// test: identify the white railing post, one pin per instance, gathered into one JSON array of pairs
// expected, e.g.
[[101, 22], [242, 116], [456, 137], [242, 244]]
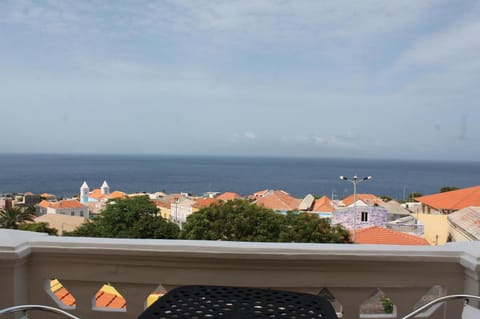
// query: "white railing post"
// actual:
[[14, 252]]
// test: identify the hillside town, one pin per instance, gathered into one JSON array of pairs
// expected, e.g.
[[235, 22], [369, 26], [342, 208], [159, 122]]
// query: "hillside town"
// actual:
[[428, 220]]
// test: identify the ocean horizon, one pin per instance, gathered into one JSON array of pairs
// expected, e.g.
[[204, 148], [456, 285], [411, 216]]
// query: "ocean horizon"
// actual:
[[62, 174]]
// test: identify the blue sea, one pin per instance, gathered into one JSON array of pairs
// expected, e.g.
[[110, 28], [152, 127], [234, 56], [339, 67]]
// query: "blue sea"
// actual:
[[63, 174]]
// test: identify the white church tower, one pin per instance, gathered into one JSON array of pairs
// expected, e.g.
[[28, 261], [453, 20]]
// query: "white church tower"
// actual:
[[105, 189], [84, 190]]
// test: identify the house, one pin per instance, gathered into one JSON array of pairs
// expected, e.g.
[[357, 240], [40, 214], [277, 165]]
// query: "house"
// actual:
[[366, 216], [97, 198], [449, 202], [307, 203], [258, 194], [30, 199], [324, 207], [383, 236], [49, 197], [180, 209], [61, 222], [407, 224], [204, 202], [278, 200], [395, 210], [6, 203], [164, 208], [464, 224], [70, 207], [101, 194], [229, 196], [362, 200]]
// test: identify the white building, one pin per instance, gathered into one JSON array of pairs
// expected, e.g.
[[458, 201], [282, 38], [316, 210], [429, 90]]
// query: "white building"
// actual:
[[68, 207], [180, 210]]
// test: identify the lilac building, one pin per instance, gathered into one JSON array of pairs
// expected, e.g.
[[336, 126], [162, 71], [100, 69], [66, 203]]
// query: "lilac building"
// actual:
[[367, 216]]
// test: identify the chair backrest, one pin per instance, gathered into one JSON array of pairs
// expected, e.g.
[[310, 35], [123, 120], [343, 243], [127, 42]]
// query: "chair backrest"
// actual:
[[197, 302]]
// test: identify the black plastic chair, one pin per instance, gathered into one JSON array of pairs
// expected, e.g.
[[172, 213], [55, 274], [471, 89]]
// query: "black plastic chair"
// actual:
[[198, 302]]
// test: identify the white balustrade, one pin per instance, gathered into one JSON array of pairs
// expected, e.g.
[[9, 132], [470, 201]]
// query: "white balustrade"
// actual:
[[136, 266]]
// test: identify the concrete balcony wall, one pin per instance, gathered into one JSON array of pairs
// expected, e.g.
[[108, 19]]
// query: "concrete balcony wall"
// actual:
[[136, 267]]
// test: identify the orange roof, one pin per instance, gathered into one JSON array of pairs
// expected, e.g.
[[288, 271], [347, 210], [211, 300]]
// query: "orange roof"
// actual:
[[278, 200], [47, 195], [260, 193], [44, 204], [385, 236], [368, 199], [117, 194], [64, 204], [69, 203], [97, 194], [205, 202], [453, 200], [323, 204], [173, 198], [228, 196], [160, 203]]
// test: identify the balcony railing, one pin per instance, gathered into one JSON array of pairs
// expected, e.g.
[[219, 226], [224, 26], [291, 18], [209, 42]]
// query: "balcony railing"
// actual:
[[351, 273]]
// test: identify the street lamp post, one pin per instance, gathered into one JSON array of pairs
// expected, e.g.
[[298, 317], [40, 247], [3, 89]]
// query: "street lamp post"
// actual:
[[355, 180]]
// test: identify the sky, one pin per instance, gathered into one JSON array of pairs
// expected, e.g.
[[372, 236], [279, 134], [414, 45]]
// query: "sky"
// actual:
[[359, 79]]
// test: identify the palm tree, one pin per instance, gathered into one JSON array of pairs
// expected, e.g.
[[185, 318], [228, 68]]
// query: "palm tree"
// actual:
[[11, 217]]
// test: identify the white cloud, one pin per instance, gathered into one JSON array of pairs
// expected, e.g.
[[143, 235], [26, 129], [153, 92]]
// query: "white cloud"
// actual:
[[444, 62], [250, 135], [451, 48], [263, 20]]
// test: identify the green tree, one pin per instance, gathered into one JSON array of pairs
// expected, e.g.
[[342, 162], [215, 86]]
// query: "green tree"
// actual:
[[13, 217], [448, 189], [240, 220], [386, 198], [41, 227], [236, 220], [128, 218], [309, 228]]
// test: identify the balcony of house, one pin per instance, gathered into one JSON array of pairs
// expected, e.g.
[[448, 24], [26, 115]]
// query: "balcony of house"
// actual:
[[348, 274]]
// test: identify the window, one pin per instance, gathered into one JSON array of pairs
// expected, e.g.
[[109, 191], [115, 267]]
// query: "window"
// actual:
[[72, 213], [81, 213], [364, 217]]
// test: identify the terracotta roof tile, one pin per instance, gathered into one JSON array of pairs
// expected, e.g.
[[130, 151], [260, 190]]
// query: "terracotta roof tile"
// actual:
[[278, 200], [205, 202], [97, 194], [260, 193], [160, 203], [229, 196], [384, 236], [69, 203], [453, 200], [368, 199], [323, 204], [117, 194], [44, 204]]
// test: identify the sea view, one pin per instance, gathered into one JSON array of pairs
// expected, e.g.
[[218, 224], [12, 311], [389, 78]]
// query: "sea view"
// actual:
[[62, 175]]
